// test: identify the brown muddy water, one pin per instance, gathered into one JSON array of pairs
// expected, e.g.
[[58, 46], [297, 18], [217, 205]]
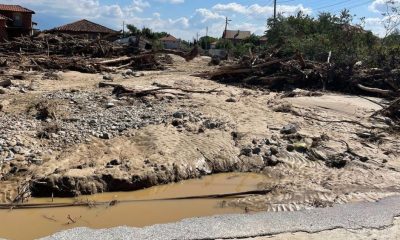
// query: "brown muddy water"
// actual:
[[35, 223]]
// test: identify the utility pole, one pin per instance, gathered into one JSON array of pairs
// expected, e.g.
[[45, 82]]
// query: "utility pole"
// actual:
[[274, 10], [226, 24], [207, 38], [123, 29]]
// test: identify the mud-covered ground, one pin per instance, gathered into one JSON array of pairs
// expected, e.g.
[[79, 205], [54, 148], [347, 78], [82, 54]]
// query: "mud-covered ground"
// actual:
[[65, 136]]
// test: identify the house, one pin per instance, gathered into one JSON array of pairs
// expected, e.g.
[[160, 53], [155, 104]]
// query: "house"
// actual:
[[86, 29], [236, 36], [170, 42], [135, 41], [213, 45], [15, 21], [263, 40]]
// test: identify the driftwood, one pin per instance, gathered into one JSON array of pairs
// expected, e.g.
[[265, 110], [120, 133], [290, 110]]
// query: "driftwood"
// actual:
[[112, 203], [121, 91], [375, 90]]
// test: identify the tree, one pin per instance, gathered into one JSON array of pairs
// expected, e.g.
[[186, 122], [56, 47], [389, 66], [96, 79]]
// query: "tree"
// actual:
[[133, 30], [391, 17], [205, 42]]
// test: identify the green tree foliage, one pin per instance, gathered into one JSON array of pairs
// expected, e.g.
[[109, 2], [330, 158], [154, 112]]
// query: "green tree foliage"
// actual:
[[316, 37], [145, 32], [205, 42]]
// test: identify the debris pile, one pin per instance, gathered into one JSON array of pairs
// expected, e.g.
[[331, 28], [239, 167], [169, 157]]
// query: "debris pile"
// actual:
[[279, 74], [65, 52], [59, 44]]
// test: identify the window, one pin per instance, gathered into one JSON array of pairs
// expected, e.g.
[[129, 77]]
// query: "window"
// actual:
[[17, 20]]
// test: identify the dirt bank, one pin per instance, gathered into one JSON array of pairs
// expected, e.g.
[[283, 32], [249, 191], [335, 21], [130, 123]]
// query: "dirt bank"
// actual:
[[316, 150]]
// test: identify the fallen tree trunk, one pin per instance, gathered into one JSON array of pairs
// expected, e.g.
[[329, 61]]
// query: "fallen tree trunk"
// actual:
[[375, 90]]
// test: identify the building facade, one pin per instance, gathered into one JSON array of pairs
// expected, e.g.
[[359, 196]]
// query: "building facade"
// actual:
[[170, 42], [15, 21]]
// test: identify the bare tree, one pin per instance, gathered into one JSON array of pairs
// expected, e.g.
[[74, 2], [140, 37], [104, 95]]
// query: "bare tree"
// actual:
[[391, 17]]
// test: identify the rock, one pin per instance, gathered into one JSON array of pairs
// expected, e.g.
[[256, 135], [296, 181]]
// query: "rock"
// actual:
[[290, 148], [114, 162], [37, 161], [108, 77], [3, 90], [256, 151], [231, 100], [300, 146], [246, 152], [289, 129], [110, 105], [179, 114], [177, 122], [274, 150], [105, 135], [271, 161], [54, 135], [129, 72], [17, 149]]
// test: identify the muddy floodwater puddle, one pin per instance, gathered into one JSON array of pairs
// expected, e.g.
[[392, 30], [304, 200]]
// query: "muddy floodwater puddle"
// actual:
[[36, 223]]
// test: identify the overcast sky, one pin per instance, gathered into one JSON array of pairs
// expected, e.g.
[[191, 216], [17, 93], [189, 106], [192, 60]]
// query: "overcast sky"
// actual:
[[185, 18]]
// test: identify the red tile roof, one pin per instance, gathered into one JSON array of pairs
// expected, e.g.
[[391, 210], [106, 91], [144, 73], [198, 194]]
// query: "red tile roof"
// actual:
[[84, 26], [169, 38], [14, 8]]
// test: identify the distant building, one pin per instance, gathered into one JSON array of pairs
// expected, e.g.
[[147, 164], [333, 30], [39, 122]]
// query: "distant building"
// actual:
[[213, 45], [15, 21], [236, 36], [170, 42], [263, 40], [86, 29]]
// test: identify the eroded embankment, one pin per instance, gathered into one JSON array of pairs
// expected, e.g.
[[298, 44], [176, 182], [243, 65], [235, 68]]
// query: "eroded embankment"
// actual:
[[136, 209]]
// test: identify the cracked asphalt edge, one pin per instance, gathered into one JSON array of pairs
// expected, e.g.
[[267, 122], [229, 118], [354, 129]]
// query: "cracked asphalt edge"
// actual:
[[367, 215]]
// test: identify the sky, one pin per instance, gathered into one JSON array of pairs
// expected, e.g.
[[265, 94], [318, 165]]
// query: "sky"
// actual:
[[187, 18]]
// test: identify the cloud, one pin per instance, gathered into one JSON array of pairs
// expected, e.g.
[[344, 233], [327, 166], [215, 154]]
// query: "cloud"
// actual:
[[172, 1], [380, 6], [259, 11]]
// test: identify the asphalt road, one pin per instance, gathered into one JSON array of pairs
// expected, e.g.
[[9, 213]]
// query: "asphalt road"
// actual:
[[349, 216]]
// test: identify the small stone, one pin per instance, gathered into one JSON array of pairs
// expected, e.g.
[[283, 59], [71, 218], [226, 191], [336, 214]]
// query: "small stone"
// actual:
[[289, 129], [114, 162], [179, 114], [246, 152], [274, 150], [256, 151], [129, 72], [290, 148], [108, 77], [53, 135], [300, 147], [110, 105], [231, 100], [37, 161], [177, 123], [105, 135]]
